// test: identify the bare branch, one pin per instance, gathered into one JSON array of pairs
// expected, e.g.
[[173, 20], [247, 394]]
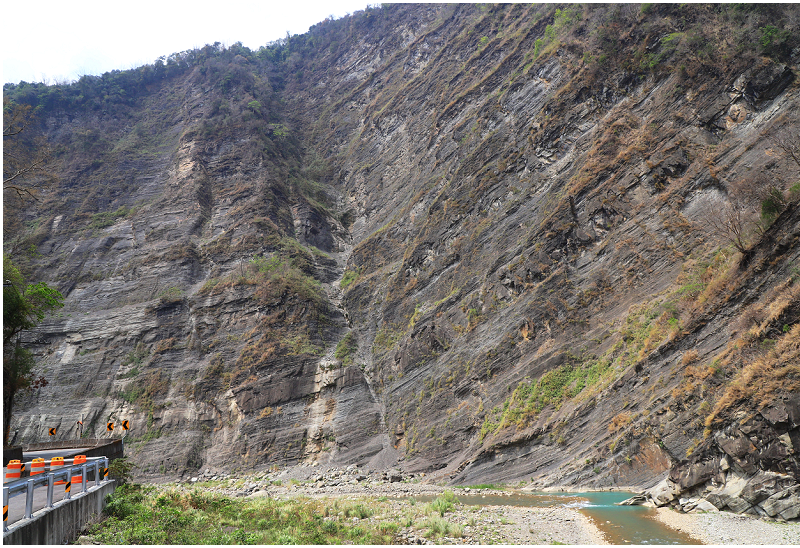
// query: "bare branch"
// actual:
[[733, 220], [789, 143], [14, 117], [25, 157]]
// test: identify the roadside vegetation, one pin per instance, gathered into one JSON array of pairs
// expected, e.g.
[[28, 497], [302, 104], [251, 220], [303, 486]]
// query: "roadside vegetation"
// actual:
[[150, 515], [145, 515]]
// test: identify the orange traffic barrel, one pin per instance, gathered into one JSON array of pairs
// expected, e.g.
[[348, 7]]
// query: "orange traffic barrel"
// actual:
[[13, 470], [79, 459], [56, 462], [37, 466]]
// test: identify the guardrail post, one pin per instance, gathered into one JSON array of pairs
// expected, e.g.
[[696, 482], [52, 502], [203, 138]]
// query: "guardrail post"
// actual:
[[29, 500], [68, 485], [5, 509], [98, 466], [50, 483]]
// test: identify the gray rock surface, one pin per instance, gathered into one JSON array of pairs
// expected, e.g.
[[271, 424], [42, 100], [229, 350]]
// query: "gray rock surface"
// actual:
[[428, 254]]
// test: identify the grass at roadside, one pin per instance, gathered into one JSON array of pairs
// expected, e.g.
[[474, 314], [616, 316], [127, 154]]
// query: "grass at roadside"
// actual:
[[145, 515], [169, 515]]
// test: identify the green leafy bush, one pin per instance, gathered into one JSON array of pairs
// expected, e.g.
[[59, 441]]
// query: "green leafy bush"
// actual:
[[348, 277], [346, 348], [443, 503], [771, 206], [552, 388], [120, 469], [773, 41]]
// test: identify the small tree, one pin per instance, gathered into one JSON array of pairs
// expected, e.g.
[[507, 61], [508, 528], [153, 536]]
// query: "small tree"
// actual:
[[22, 310], [789, 143], [121, 469], [731, 220]]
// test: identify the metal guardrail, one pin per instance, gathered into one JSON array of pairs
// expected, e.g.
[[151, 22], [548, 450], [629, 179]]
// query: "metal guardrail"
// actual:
[[65, 473]]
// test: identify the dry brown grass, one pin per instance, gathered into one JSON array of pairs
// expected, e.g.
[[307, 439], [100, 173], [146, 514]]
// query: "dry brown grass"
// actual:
[[619, 421], [614, 134], [704, 284], [164, 345], [784, 296], [689, 357], [694, 377], [759, 381]]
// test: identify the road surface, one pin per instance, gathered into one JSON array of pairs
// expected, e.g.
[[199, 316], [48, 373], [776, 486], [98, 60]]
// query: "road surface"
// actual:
[[16, 503]]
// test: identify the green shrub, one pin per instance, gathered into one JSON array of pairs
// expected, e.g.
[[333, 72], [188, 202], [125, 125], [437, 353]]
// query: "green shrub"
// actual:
[[346, 348], [136, 356], [171, 295], [773, 41], [552, 388], [108, 218], [348, 277], [440, 527], [443, 503], [279, 275]]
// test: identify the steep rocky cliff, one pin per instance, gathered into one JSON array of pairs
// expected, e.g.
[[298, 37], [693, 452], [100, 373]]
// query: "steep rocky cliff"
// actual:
[[476, 241]]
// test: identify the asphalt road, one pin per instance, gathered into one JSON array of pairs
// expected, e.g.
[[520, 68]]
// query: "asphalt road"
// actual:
[[50, 453], [16, 503]]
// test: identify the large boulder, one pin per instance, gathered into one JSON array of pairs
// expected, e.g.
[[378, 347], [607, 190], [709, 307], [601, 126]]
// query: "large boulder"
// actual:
[[704, 506], [635, 500], [764, 485], [764, 493], [764, 83], [664, 492], [730, 493], [785, 505], [687, 475]]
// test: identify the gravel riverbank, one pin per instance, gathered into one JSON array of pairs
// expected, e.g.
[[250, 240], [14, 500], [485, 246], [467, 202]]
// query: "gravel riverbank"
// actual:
[[394, 499], [729, 528], [394, 496]]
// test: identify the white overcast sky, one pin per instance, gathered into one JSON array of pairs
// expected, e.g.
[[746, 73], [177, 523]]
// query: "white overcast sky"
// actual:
[[47, 40]]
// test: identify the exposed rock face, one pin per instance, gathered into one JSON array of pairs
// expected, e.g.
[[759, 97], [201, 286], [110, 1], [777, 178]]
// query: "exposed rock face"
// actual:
[[750, 468], [400, 245]]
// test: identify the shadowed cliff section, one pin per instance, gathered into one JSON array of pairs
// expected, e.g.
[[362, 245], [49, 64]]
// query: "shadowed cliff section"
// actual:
[[475, 241]]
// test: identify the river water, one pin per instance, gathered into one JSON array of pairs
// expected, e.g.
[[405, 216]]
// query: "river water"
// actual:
[[621, 524]]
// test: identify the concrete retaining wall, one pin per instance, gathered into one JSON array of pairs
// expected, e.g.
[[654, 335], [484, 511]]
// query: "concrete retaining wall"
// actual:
[[62, 524], [91, 447]]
